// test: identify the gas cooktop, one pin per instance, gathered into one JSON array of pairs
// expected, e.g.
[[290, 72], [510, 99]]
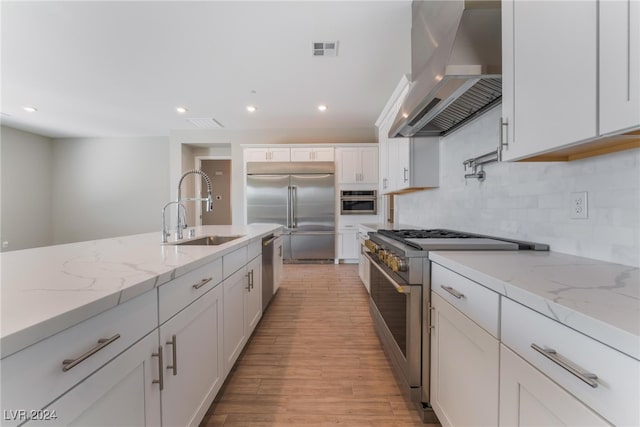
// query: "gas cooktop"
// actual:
[[437, 239]]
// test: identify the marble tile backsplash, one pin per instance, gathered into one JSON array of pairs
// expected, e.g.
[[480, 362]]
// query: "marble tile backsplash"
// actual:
[[531, 201]]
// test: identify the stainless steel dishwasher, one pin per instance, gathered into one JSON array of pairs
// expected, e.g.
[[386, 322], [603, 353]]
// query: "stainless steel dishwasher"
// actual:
[[268, 261]]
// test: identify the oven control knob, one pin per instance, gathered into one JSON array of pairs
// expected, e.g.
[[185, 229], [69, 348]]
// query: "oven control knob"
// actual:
[[382, 255], [400, 265], [392, 261], [371, 246]]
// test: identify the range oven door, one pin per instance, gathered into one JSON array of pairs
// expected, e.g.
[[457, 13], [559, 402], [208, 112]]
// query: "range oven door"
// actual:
[[396, 311]]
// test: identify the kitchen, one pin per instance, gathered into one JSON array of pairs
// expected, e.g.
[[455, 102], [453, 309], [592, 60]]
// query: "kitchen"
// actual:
[[516, 200]]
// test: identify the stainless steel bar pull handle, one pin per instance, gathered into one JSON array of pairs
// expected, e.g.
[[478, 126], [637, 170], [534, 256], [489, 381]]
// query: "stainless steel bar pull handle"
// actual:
[[202, 283], [251, 278], [406, 178], [248, 276], [294, 201], [551, 354], [452, 291], [68, 364], [174, 353], [160, 379]]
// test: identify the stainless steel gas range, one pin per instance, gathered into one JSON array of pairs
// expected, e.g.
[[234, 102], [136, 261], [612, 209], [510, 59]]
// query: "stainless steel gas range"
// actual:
[[401, 297]]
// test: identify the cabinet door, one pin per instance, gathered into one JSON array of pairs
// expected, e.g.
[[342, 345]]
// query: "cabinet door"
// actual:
[[349, 165], [464, 369], [348, 244], [369, 162], [234, 317], [279, 154], [549, 74], [619, 39], [529, 398], [253, 295], [256, 155], [119, 394], [193, 368], [364, 271], [323, 154], [299, 154]]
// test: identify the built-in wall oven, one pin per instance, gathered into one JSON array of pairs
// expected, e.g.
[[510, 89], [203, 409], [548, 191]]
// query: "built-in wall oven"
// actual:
[[400, 298], [358, 202]]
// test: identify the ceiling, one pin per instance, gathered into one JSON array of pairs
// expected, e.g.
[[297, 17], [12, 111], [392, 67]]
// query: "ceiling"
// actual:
[[120, 68]]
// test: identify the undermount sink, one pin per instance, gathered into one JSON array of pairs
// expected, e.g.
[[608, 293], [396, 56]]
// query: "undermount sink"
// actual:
[[209, 240]]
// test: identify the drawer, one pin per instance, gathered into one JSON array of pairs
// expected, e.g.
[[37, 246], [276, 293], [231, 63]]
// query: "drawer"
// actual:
[[234, 261], [182, 291], [616, 394], [480, 304], [33, 377], [254, 249]]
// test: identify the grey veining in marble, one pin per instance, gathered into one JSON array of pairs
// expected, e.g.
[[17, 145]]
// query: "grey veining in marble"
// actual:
[[597, 298], [48, 289]]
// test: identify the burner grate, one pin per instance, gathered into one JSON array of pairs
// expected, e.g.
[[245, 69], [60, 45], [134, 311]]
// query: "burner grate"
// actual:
[[402, 235]]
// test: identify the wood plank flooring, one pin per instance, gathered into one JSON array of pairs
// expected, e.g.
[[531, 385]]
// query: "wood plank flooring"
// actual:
[[314, 360]]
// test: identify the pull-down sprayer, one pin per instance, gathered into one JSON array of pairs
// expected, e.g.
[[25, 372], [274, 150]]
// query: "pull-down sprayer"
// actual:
[[208, 199], [181, 225]]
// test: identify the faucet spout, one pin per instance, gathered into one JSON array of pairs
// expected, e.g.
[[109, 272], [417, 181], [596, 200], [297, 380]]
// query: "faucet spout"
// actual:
[[208, 199]]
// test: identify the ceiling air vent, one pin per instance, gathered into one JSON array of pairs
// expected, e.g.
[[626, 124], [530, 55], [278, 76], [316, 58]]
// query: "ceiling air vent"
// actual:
[[325, 48], [206, 123]]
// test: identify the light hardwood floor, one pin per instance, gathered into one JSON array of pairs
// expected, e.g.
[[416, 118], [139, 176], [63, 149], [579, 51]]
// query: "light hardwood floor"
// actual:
[[314, 360]]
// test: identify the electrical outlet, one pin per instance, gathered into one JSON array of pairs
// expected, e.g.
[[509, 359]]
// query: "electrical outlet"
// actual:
[[579, 205]]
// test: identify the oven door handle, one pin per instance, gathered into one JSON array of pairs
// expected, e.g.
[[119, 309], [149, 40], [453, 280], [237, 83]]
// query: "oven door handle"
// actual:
[[399, 288]]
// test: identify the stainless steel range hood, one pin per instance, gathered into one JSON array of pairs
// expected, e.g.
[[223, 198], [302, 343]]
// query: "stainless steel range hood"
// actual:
[[456, 64]]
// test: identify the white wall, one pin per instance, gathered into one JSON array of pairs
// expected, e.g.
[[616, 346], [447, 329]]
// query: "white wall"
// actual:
[[26, 201], [530, 201], [106, 187]]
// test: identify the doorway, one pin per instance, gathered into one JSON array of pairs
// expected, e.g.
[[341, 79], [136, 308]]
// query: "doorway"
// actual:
[[219, 171]]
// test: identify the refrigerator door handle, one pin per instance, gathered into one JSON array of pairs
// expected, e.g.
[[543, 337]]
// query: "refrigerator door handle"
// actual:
[[288, 206], [294, 219]]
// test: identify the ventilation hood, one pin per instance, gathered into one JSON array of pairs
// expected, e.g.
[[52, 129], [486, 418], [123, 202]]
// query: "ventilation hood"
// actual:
[[456, 64]]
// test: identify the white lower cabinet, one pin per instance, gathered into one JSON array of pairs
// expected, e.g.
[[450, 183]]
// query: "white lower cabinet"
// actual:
[[121, 393], [242, 309], [235, 337], [192, 361], [348, 243], [253, 295], [529, 398], [464, 368]]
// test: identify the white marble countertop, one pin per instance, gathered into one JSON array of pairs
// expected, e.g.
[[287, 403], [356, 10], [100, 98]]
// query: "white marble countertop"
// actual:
[[48, 289], [599, 299]]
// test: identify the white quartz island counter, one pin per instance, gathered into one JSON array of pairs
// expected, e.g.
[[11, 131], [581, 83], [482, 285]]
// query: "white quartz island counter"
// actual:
[[599, 299], [46, 290]]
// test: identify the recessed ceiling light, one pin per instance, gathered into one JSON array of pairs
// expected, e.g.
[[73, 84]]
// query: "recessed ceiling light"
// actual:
[[181, 110], [322, 107], [30, 109], [252, 108]]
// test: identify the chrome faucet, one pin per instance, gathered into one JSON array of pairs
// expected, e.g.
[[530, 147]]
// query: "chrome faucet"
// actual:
[[208, 199], [165, 229]]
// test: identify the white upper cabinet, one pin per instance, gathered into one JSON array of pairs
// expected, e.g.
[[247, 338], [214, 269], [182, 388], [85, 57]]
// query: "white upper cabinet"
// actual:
[[405, 163], [267, 154], [549, 75], [358, 165], [312, 154], [570, 76], [619, 65]]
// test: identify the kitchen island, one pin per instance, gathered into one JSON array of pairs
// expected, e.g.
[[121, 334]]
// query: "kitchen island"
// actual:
[[108, 329]]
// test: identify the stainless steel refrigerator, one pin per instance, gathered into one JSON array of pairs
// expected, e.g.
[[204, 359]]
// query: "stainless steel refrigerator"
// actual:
[[301, 197]]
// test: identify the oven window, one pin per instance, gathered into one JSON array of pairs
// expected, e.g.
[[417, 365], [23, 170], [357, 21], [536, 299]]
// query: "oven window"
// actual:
[[358, 205], [392, 305]]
